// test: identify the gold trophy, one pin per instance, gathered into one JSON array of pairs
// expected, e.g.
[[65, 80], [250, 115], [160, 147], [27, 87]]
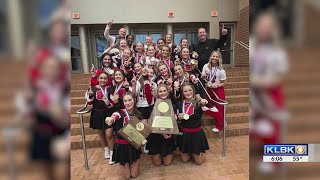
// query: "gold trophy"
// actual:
[[162, 119], [135, 132]]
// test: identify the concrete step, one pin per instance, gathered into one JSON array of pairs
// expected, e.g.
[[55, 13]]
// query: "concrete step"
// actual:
[[231, 99], [234, 85], [86, 80], [228, 92], [92, 140]]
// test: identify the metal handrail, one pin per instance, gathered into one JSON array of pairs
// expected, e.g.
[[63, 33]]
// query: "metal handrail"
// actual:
[[244, 45], [81, 112], [224, 103]]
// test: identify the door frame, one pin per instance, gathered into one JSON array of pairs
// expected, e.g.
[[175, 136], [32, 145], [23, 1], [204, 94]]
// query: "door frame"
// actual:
[[232, 36]]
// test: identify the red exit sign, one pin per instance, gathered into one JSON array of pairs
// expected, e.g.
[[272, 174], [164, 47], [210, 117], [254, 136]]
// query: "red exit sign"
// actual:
[[76, 15], [214, 13], [171, 14]]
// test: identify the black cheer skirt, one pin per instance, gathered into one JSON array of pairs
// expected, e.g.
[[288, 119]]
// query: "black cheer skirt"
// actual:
[[97, 119], [157, 144], [145, 111], [125, 153], [193, 143]]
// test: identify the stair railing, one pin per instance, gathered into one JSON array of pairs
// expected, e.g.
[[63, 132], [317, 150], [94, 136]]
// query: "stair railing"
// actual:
[[242, 44], [81, 112], [220, 102]]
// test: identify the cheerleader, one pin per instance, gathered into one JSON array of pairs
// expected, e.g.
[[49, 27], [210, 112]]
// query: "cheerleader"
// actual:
[[166, 58], [193, 141], [139, 56], [98, 97], [49, 108], [107, 66], [150, 60], [180, 77], [116, 92], [216, 79], [145, 91], [152, 76], [126, 56], [161, 42], [177, 50], [161, 146], [127, 70], [123, 46], [124, 153], [138, 70], [165, 76], [190, 65]]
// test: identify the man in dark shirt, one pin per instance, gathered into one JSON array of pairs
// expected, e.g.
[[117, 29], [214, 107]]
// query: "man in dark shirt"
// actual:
[[206, 46]]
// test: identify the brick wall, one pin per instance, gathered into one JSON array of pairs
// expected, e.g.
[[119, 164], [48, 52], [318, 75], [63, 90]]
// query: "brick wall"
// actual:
[[311, 32], [242, 34]]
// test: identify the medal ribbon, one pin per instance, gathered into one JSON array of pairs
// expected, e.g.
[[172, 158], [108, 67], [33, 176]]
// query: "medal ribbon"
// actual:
[[127, 114], [104, 92], [118, 88], [185, 112], [212, 74], [107, 70]]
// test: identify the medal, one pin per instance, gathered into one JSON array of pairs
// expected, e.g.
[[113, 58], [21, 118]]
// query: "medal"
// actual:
[[212, 74], [185, 113], [116, 94], [111, 72], [209, 84], [193, 61], [186, 116], [116, 97], [104, 93]]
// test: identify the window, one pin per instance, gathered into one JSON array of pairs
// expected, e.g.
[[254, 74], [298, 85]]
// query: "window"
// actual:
[[155, 36], [101, 44], [192, 37], [75, 53], [140, 37], [178, 36]]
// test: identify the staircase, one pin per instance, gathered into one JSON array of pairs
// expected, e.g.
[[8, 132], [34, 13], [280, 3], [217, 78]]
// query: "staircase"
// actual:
[[237, 94], [12, 78]]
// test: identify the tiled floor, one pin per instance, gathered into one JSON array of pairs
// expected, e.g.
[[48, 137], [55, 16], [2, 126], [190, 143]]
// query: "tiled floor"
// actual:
[[234, 166]]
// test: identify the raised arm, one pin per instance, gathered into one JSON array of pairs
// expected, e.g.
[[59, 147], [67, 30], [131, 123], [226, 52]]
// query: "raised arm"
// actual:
[[110, 39]]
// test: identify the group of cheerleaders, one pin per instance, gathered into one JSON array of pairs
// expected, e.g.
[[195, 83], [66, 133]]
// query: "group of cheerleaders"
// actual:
[[129, 82]]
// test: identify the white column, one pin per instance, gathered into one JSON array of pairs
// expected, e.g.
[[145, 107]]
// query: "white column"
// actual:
[[126, 26], [169, 29], [84, 49], [15, 28]]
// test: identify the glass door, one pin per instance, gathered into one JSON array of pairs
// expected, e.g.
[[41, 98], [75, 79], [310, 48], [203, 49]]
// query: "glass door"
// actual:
[[76, 65], [100, 45], [226, 50], [140, 36]]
